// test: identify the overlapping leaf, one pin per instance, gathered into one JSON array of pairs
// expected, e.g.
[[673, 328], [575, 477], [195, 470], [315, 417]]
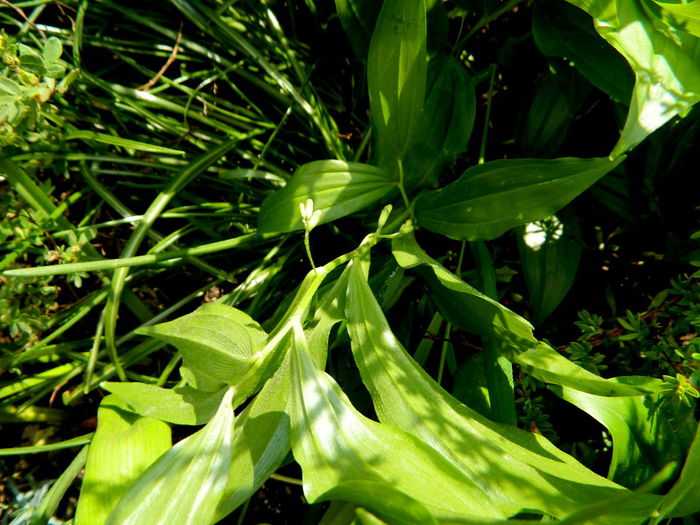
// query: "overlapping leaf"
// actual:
[[489, 199], [336, 445], [262, 438], [646, 433], [664, 58], [123, 447], [550, 252], [562, 30], [515, 470], [337, 188], [186, 484], [450, 108], [219, 344], [470, 310], [182, 405]]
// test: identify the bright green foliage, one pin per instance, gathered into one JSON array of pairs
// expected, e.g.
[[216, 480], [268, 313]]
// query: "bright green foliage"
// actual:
[[264, 369], [182, 405], [396, 78], [191, 475], [492, 198], [124, 446], [339, 188], [664, 57], [30, 84], [219, 345], [647, 431]]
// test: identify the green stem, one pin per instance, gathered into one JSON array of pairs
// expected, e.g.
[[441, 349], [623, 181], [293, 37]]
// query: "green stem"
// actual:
[[138, 260]]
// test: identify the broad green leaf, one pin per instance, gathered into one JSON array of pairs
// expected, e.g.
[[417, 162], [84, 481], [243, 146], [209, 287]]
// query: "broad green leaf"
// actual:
[[335, 444], [337, 188], [489, 199], [124, 446], [684, 497], [52, 50], [182, 405], [646, 433], [217, 342], [262, 439], [391, 504], [513, 469], [564, 31], [396, 78], [467, 308], [665, 60], [450, 108], [545, 118], [358, 18], [185, 485], [550, 251], [683, 14]]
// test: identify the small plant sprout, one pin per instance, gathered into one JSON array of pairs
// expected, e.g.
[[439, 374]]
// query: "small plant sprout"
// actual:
[[310, 218]]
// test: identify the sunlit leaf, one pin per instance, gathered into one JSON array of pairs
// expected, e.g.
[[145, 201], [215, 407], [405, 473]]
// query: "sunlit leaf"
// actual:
[[262, 438], [469, 309], [562, 30], [124, 446], [646, 433], [186, 484], [182, 405], [665, 60], [337, 188], [683, 14], [396, 77], [217, 342], [335, 444], [492, 198], [514, 469]]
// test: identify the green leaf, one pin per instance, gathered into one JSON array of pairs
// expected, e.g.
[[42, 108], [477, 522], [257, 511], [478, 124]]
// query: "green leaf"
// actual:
[[646, 433], [550, 251], [337, 188], [53, 497], [182, 405], [218, 343], [358, 18], [52, 50], [391, 504], [683, 14], [396, 78], [124, 446], [185, 485], [513, 469], [562, 30], [684, 497], [665, 60], [262, 440], [121, 142], [492, 198], [31, 61], [545, 119], [450, 108], [467, 308], [335, 444]]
